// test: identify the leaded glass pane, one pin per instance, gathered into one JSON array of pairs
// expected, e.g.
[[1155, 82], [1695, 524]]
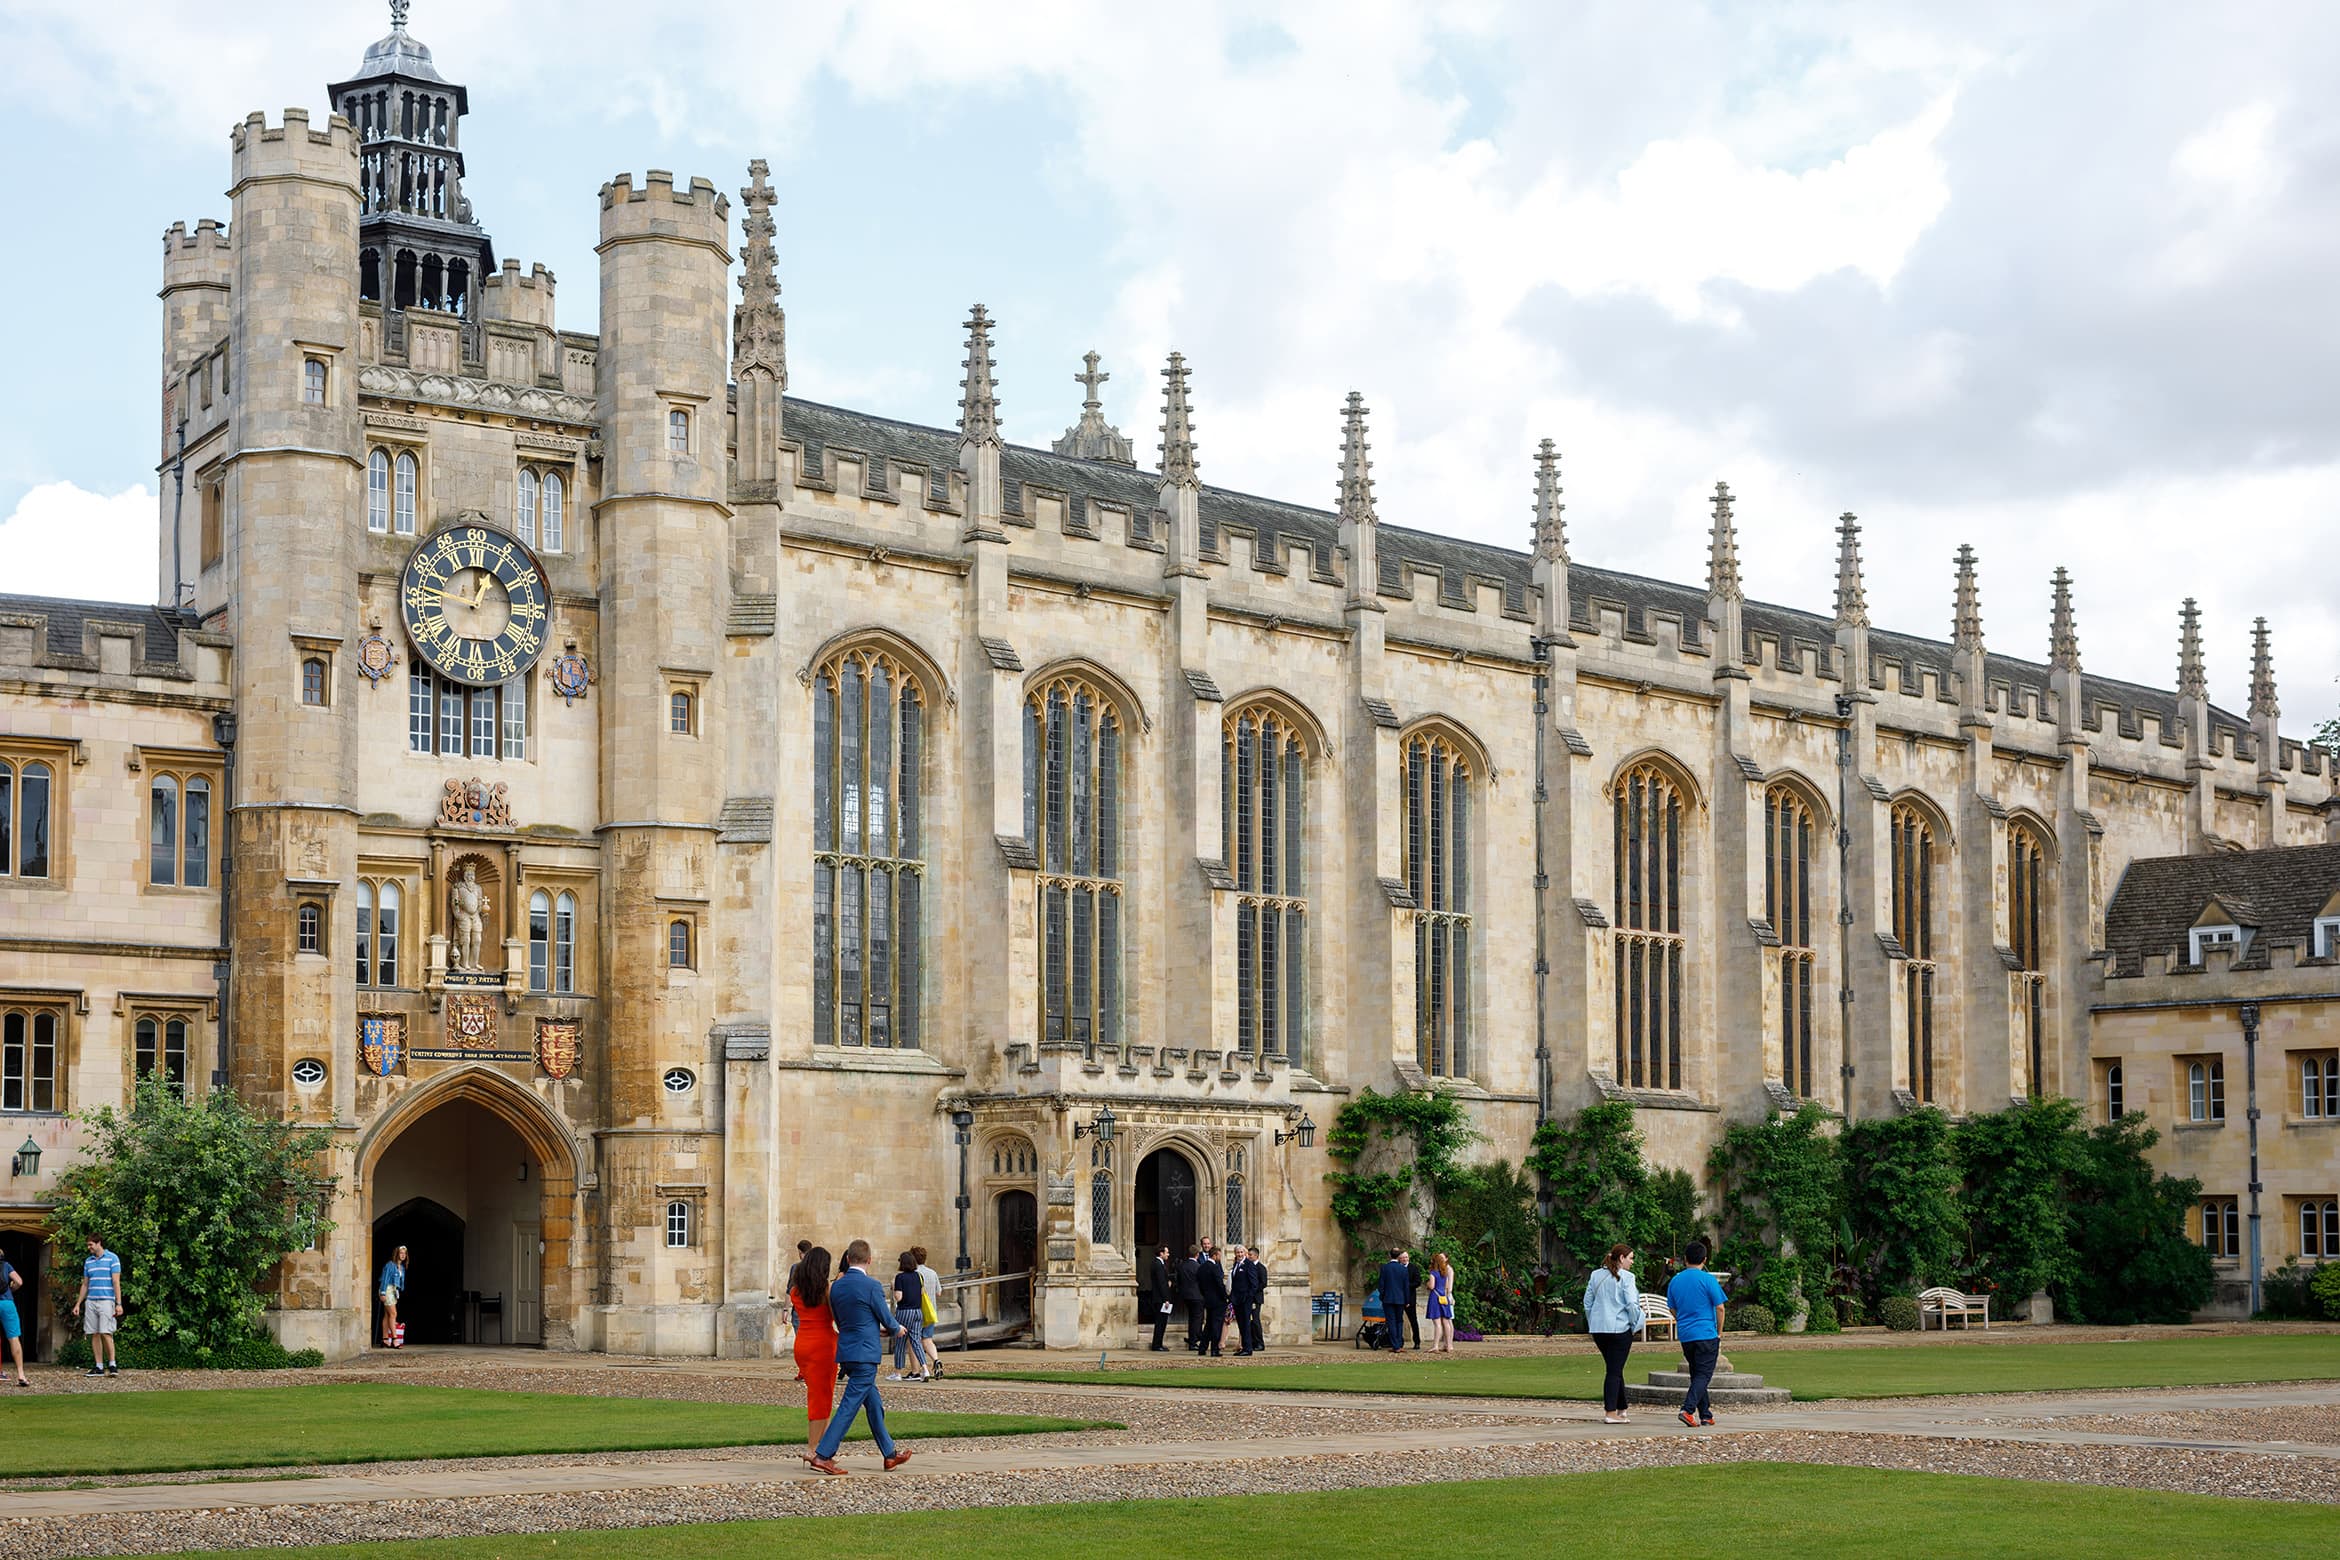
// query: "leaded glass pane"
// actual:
[[365, 933], [824, 953], [906, 787], [878, 825], [162, 846], [881, 956], [851, 730], [1083, 955], [539, 940], [565, 944], [195, 856], [386, 936], [908, 990], [851, 936]]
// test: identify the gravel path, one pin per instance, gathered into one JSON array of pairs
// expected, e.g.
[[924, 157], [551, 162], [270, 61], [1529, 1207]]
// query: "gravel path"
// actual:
[[2227, 1473], [2313, 1424]]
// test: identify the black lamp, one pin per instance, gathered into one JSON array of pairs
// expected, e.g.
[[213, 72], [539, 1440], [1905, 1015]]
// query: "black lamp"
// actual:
[[1304, 1134], [1101, 1129], [27, 1160]]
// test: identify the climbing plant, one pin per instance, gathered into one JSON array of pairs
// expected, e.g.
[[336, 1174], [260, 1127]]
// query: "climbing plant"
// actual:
[[1603, 1191], [2016, 1165], [1392, 1151], [1903, 1227], [1778, 1190]]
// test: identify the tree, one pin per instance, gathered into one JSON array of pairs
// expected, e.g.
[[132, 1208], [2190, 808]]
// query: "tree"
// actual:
[[200, 1199], [2135, 1262], [1901, 1202], [2017, 1166], [1779, 1185]]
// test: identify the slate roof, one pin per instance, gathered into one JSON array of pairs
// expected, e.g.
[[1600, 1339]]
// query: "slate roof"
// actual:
[[67, 619], [2278, 893], [1314, 535]]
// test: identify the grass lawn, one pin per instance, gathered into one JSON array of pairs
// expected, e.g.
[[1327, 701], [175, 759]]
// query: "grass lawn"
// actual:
[[1913, 1370], [345, 1422], [1747, 1512]]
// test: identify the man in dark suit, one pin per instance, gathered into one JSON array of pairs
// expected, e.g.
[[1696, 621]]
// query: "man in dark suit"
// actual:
[[1394, 1286], [1190, 1296], [1248, 1289], [1413, 1294], [1211, 1280], [1154, 1298], [864, 1315]]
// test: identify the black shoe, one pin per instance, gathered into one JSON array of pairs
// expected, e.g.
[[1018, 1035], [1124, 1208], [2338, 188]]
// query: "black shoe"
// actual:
[[1214, 1354], [1158, 1349], [95, 1370], [113, 1370]]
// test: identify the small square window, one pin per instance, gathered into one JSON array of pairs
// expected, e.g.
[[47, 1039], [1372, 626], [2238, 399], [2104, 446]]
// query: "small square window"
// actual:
[[315, 684], [681, 712], [313, 381], [312, 928], [678, 945], [678, 431]]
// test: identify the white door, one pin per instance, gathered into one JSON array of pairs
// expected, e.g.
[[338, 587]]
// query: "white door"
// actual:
[[527, 1283]]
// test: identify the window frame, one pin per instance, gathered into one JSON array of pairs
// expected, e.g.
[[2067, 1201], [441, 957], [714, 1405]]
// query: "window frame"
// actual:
[[1439, 782], [871, 839], [1914, 861], [2317, 1078], [1651, 857], [1791, 825], [378, 491], [18, 765], [682, 710], [682, 936], [316, 685], [379, 925], [405, 492], [2031, 938], [21, 1082], [1267, 768], [679, 430], [1076, 818], [2316, 1225], [190, 863], [145, 1056], [316, 381], [2202, 1081], [2219, 1227], [682, 1224], [309, 928]]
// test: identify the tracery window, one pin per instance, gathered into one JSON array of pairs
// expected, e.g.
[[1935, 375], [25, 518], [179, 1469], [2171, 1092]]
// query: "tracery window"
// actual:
[[869, 849], [178, 831], [30, 1040], [2027, 926], [1913, 928], [1787, 900], [1647, 825], [1263, 786], [25, 816], [1438, 877], [1072, 816]]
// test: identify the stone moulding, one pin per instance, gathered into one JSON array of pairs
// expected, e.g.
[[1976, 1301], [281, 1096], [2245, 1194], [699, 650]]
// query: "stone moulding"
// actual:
[[404, 384]]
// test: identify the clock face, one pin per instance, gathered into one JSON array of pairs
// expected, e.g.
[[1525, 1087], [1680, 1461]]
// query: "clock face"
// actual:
[[475, 604]]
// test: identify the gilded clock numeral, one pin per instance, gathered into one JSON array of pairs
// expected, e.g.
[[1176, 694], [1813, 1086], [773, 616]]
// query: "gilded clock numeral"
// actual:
[[527, 611], [506, 662], [527, 581], [524, 641]]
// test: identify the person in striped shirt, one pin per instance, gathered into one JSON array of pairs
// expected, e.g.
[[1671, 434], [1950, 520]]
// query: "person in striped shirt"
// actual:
[[100, 1303]]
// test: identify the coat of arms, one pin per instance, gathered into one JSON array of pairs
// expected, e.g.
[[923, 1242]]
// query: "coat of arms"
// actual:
[[471, 1021], [376, 656], [382, 1042], [570, 674], [475, 804], [556, 1046]]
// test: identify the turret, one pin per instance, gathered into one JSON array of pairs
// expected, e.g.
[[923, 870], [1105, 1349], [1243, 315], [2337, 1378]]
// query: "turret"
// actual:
[[198, 279]]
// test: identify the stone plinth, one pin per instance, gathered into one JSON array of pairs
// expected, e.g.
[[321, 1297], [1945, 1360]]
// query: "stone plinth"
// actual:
[[1727, 1388]]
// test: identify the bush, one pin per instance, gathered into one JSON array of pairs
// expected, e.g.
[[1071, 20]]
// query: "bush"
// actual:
[[1822, 1316], [1751, 1316], [1902, 1213], [201, 1199], [1603, 1192], [2135, 1262], [2017, 1164], [1486, 1225], [1849, 1312], [258, 1352], [2324, 1291], [1779, 1184], [2283, 1294], [1899, 1313]]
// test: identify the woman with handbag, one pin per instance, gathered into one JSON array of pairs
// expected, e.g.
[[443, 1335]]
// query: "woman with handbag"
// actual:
[[1612, 1314], [929, 1301]]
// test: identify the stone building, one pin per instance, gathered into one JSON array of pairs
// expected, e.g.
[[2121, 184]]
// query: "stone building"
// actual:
[[658, 818]]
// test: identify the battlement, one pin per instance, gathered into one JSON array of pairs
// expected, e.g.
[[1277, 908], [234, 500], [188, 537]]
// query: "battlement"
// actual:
[[293, 150], [203, 258], [522, 300], [210, 235], [697, 212]]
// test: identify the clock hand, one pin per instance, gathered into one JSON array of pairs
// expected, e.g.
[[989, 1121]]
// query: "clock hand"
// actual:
[[485, 580]]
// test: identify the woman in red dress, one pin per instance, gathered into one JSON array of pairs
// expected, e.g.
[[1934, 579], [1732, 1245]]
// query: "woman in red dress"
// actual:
[[816, 1342]]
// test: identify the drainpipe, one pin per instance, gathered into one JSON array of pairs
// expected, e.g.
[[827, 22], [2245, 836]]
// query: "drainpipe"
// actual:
[[223, 732], [178, 510], [1844, 912], [1543, 653], [2250, 1027]]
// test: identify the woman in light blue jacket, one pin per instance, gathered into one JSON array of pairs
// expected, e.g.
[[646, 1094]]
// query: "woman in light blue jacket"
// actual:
[[1612, 1314]]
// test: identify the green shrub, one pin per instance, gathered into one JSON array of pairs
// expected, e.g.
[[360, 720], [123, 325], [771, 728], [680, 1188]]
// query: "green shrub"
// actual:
[[2135, 1262], [257, 1352], [1899, 1313], [2324, 1290], [1903, 1222], [1751, 1316], [1486, 1225], [2283, 1294], [1779, 1184], [1849, 1312], [1604, 1192], [2017, 1166], [1822, 1316]]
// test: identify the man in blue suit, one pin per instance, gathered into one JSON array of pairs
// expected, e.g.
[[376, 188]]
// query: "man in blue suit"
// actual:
[[864, 1317], [1396, 1288]]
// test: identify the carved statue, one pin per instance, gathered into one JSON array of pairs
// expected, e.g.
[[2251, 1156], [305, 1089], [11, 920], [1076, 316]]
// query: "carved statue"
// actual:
[[468, 903]]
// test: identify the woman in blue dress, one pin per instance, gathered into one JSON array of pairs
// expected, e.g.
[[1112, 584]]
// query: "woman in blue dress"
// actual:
[[392, 1289], [1438, 1310]]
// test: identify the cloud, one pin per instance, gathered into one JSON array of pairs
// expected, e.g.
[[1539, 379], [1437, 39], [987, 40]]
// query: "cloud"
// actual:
[[63, 540]]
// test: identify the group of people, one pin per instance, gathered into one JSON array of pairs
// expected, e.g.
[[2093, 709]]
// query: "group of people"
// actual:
[[1613, 1314], [1400, 1285], [1216, 1295], [842, 1327]]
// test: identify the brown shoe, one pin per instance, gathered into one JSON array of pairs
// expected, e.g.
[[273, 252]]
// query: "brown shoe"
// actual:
[[823, 1465], [898, 1459]]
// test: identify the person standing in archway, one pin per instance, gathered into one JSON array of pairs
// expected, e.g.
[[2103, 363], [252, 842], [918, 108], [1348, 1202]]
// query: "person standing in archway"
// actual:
[[10, 1325], [392, 1289]]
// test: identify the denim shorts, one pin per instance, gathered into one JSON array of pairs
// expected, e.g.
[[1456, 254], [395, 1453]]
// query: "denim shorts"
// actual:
[[925, 1328], [10, 1325]]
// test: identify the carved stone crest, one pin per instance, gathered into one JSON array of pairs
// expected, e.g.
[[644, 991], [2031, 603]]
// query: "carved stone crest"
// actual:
[[377, 657], [556, 1046], [382, 1043], [570, 674], [474, 804], [471, 1021]]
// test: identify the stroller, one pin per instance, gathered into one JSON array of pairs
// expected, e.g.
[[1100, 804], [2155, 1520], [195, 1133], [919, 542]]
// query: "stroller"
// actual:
[[1373, 1331]]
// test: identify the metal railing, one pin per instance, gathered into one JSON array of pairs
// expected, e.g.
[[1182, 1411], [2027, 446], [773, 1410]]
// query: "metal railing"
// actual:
[[969, 1286]]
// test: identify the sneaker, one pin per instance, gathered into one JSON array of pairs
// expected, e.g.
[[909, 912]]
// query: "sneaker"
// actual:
[[1688, 1418], [1706, 1420], [936, 1373], [95, 1370], [893, 1375], [113, 1370]]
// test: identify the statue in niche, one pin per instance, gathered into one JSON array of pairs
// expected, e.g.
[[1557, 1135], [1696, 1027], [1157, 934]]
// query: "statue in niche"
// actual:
[[467, 902]]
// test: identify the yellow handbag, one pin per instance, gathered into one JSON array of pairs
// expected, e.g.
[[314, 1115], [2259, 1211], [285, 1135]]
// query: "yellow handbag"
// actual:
[[926, 1308]]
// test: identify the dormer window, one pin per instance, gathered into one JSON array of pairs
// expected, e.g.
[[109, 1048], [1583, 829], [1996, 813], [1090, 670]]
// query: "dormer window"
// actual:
[[2327, 938], [2205, 937]]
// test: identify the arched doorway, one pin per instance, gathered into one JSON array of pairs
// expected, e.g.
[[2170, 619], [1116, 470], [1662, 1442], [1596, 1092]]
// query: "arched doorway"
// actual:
[[23, 1250], [479, 1181], [1165, 1202], [1017, 1247]]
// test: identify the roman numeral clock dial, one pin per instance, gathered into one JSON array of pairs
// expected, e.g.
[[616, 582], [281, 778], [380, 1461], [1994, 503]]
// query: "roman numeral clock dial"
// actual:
[[475, 605]]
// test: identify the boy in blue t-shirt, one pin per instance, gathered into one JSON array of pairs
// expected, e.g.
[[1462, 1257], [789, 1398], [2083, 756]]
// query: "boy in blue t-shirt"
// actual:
[[1697, 1303]]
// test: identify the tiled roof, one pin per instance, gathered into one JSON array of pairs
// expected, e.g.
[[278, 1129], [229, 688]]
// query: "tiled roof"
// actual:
[[1296, 536], [2278, 893], [67, 619]]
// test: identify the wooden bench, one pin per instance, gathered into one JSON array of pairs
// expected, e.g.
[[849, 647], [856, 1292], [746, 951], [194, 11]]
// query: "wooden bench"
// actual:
[[1942, 1304], [1656, 1313]]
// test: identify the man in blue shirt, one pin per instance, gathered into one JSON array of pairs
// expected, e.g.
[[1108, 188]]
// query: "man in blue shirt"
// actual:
[[1395, 1286], [1697, 1303], [100, 1304], [864, 1316]]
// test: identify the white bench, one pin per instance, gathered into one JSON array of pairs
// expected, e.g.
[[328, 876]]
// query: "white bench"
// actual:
[[1655, 1313], [1942, 1304]]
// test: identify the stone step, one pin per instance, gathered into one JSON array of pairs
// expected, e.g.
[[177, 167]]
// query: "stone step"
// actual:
[[1723, 1380], [1720, 1397]]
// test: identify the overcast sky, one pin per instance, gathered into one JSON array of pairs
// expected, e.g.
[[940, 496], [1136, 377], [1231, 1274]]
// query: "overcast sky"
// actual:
[[2056, 280]]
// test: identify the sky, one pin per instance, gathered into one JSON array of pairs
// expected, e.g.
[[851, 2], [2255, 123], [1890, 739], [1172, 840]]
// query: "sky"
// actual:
[[2057, 281]]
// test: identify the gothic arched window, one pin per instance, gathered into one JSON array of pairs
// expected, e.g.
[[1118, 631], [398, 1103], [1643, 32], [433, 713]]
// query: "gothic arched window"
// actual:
[[2027, 936], [1787, 903], [524, 507], [1072, 816], [408, 473], [869, 849], [1649, 938], [1913, 928], [378, 491], [1263, 785], [1438, 876]]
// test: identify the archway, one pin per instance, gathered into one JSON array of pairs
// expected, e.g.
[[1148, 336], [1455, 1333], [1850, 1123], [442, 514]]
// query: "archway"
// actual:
[[432, 1234], [26, 1251], [1017, 1248], [486, 1154], [1165, 1202]]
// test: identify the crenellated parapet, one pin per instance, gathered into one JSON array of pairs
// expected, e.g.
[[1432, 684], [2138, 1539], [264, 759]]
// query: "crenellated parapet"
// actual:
[[656, 209], [291, 150]]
